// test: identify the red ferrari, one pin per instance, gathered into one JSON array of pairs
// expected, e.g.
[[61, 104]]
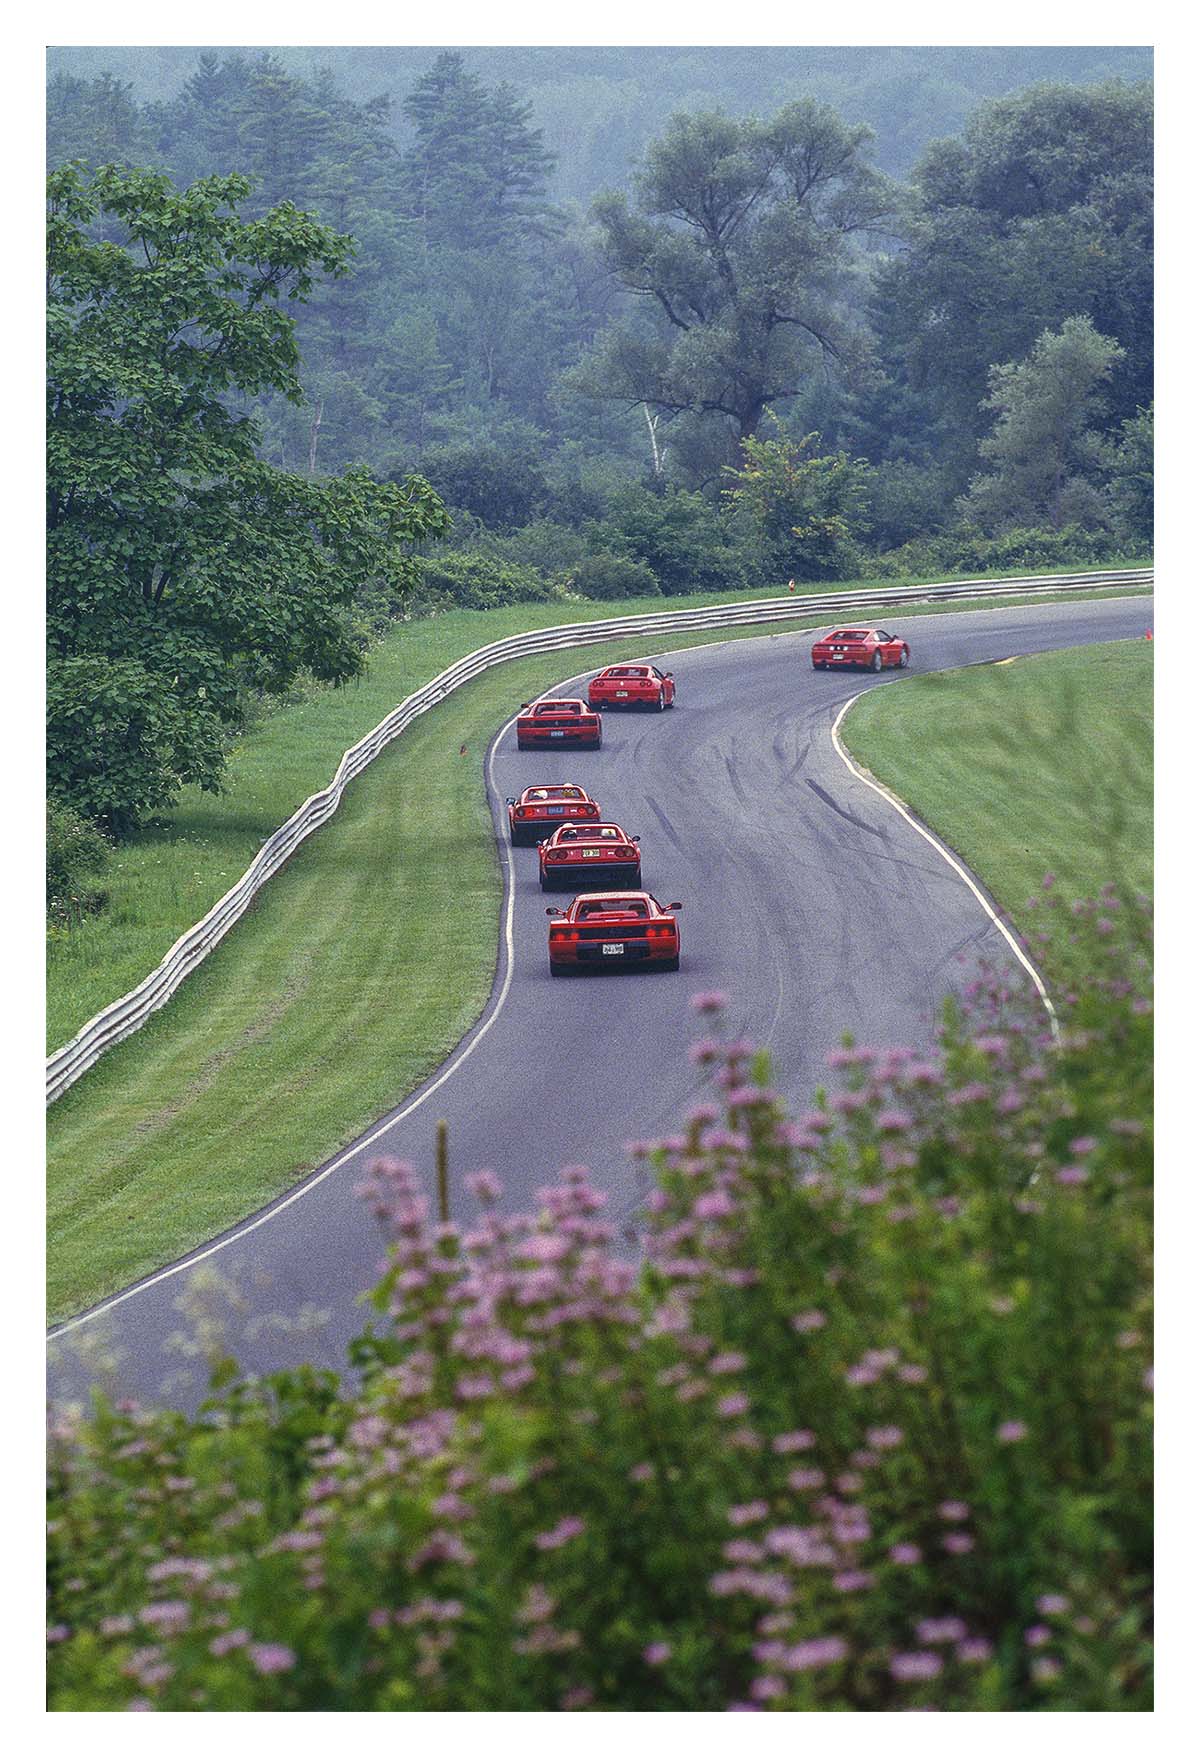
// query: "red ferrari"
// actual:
[[592, 854], [617, 929], [872, 648], [632, 686], [540, 811], [557, 720]]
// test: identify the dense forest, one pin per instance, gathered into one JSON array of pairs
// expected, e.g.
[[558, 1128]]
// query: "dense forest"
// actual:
[[644, 320]]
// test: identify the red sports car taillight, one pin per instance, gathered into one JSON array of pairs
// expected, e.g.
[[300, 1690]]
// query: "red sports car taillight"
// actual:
[[660, 931], [564, 936]]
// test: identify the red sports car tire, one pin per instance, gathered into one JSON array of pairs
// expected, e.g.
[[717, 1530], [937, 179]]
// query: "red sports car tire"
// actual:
[[903, 658], [876, 661], [662, 701]]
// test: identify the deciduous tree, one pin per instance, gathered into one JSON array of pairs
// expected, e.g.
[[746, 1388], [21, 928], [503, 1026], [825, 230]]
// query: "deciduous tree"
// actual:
[[183, 569]]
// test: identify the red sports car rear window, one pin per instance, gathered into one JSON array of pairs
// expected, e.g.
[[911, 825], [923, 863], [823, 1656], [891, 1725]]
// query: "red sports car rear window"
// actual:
[[635, 911], [848, 635], [626, 671], [557, 708]]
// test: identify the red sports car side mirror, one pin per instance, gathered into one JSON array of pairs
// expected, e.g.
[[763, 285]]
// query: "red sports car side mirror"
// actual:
[[553, 912], [674, 906]]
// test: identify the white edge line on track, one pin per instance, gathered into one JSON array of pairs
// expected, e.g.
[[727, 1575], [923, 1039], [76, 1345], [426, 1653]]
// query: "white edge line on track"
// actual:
[[293, 1196], [898, 805]]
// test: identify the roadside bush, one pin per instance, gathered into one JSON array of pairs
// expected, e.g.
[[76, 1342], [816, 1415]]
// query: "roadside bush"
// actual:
[[867, 1427], [76, 851], [473, 580], [965, 551], [614, 576], [680, 537]]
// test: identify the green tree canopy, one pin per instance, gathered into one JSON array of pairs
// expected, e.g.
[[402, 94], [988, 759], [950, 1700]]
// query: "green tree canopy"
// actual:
[[182, 569], [1042, 210], [740, 240], [801, 509], [1040, 449]]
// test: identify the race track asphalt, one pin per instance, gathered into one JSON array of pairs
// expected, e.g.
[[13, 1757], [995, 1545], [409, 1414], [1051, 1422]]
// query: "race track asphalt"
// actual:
[[807, 899]]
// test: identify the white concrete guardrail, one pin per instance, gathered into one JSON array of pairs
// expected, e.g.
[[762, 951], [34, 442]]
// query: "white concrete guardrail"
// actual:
[[121, 1018]]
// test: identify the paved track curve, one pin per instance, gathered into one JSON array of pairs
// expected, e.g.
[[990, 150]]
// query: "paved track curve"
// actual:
[[807, 899]]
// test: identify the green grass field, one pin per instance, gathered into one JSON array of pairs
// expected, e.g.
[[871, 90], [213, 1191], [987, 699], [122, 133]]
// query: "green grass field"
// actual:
[[355, 972], [1033, 766]]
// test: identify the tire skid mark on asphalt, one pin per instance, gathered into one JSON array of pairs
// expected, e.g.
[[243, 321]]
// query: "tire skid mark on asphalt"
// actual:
[[860, 823]]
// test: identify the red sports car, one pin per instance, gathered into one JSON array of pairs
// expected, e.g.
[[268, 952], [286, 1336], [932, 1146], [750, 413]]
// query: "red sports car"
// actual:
[[632, 686], [540, 811], [618, 928], [589, 854], [872, 648], [557, 720]]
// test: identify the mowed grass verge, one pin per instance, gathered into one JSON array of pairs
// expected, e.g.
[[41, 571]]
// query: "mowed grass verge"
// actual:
[[357, 970], [173, 871], [1034, 766]]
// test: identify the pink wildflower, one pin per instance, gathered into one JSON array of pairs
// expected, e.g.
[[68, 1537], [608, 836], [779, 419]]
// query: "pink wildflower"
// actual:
[[484, 1186], [733, 1404], [1011, 1431], [226, 1643], [818, 1651], [570, 1526], [974, 1650], [657, 1653], [1071, 1175], [809, 1321], [958, 1543], [941, 1630], [1046, 1670], [271, 1657], [710, 1001], [805, 1479], [905, 1667], [889, 1436], [1053, 1604], [905, 1554], [798, 1440], [1037, 1635]]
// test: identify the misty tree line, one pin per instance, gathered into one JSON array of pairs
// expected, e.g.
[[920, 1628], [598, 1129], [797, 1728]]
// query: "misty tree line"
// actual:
[[481, 319], [276, 320]]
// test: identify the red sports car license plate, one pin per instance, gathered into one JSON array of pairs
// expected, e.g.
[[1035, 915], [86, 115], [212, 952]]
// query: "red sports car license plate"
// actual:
[[610, 946]]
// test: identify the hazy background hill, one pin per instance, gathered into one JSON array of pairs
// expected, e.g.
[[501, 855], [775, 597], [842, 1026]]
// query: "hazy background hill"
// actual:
[[599, 107]]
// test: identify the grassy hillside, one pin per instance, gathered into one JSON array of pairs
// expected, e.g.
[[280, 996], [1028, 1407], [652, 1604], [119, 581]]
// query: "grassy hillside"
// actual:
[[1034, 766]]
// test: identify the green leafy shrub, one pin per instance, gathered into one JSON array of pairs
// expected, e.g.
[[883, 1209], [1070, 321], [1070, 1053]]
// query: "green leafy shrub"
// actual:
[[800, 515], [867, 1427], [614, 576], [965, 551], [473, 580], [75, 852], [680, 537]]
